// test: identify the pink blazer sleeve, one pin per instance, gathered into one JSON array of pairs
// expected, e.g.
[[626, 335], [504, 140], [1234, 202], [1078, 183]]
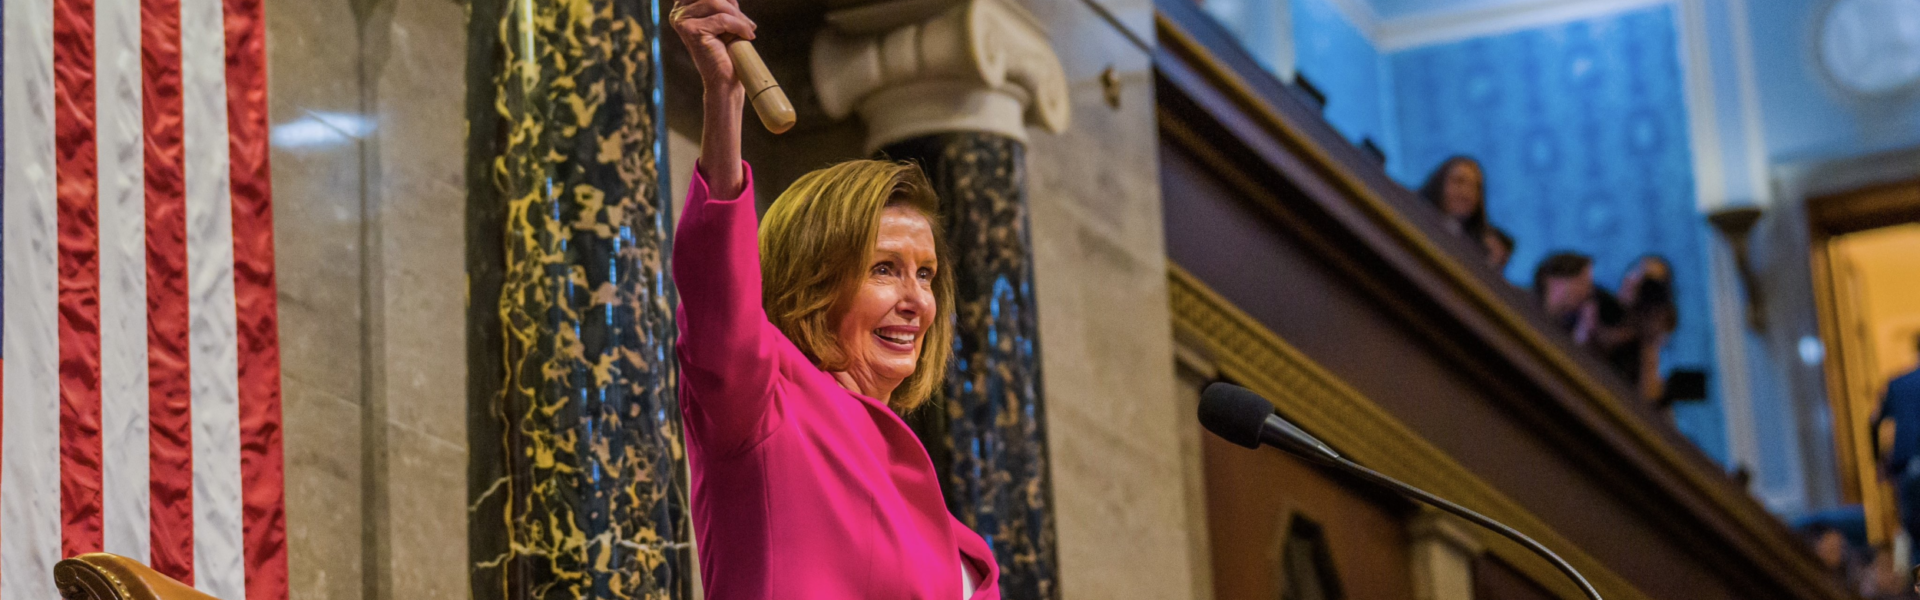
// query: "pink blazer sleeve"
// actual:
[[727, 348]]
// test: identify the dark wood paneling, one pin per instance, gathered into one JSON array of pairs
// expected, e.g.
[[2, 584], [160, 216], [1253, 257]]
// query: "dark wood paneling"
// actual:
[[1868, 208], [1251, 496], [1494, 579]]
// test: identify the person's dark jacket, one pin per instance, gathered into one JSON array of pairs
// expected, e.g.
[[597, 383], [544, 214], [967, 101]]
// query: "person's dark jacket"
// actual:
[[1902, 406]]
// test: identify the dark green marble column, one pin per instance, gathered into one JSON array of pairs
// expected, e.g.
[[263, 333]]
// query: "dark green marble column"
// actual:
[[988, 435], [577, 486]]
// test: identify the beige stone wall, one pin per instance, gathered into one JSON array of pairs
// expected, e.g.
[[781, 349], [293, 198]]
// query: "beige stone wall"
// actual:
[[317, 227], [1114, 423], [369, 228]]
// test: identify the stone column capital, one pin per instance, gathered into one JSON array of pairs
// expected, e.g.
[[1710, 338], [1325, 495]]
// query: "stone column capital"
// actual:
[[919, 67]]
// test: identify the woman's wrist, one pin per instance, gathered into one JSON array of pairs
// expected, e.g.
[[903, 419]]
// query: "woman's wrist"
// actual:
[[728, 90], [723, 107], [720, 139]]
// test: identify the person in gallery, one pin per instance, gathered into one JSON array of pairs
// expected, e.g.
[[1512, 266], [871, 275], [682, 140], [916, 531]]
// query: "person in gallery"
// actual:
[[1499, 247], [1628, 330], [802, 340], [1635, 326], [1458, 188], [1900, 452], [1563, 284]]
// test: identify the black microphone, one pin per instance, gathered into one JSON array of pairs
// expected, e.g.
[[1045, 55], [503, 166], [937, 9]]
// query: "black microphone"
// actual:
[[1238, 415]]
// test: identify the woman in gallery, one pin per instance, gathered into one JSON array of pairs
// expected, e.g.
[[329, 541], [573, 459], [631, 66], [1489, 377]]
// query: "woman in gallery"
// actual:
[[802, 340], [1458, 188]]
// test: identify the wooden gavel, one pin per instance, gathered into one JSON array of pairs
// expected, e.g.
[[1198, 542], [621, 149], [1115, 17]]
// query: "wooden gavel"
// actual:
[[776, 112]]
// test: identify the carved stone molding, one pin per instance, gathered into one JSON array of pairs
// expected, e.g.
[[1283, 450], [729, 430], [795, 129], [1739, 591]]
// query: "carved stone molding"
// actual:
[[972, 66]]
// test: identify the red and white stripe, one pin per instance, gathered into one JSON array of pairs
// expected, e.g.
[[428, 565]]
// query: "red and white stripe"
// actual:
[[140, 360]]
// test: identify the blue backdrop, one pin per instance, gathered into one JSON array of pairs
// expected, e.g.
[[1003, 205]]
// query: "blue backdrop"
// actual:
[[1338, 59], [1582, 130]]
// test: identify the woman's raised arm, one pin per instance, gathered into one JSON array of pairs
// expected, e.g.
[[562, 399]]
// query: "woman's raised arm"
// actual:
[[727, 347]]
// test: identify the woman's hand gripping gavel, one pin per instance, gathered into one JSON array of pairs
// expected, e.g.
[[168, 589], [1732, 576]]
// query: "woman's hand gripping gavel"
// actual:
[[717, 34]]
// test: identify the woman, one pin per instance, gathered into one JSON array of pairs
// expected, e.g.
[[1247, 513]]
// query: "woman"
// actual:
[[1458, 188], [1499, 245], [798, 350]]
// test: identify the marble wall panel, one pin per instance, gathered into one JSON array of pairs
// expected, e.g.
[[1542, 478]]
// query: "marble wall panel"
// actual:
[[318, 221], [324, 537], [317, 204], [421, 89], [368, 158], [416, 69], [426, 516], [1123, 515]]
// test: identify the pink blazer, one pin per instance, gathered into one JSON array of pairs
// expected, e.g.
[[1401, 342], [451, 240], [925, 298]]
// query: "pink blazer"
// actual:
[[801, 489]]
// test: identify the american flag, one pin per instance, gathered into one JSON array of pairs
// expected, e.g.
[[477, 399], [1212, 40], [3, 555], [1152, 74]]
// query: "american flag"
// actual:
[[140, 362]]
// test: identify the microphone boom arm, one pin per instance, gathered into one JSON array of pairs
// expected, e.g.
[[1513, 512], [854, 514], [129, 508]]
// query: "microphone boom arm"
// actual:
[[1463, 512], [1242, 417]]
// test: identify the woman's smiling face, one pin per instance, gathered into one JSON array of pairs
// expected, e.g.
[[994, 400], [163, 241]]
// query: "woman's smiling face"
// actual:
[[884, 323]]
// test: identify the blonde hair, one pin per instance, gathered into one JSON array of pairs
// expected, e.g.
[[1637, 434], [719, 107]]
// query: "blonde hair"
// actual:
[[814, 246]]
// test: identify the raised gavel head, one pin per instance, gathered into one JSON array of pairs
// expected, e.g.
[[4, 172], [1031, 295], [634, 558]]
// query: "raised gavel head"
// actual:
[[768, 100]]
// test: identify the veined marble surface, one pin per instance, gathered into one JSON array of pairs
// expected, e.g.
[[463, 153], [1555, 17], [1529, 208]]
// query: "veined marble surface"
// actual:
[[585, 421]]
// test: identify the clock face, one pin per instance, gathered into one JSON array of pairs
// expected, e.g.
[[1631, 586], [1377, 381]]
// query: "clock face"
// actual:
[[1872, 46]]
